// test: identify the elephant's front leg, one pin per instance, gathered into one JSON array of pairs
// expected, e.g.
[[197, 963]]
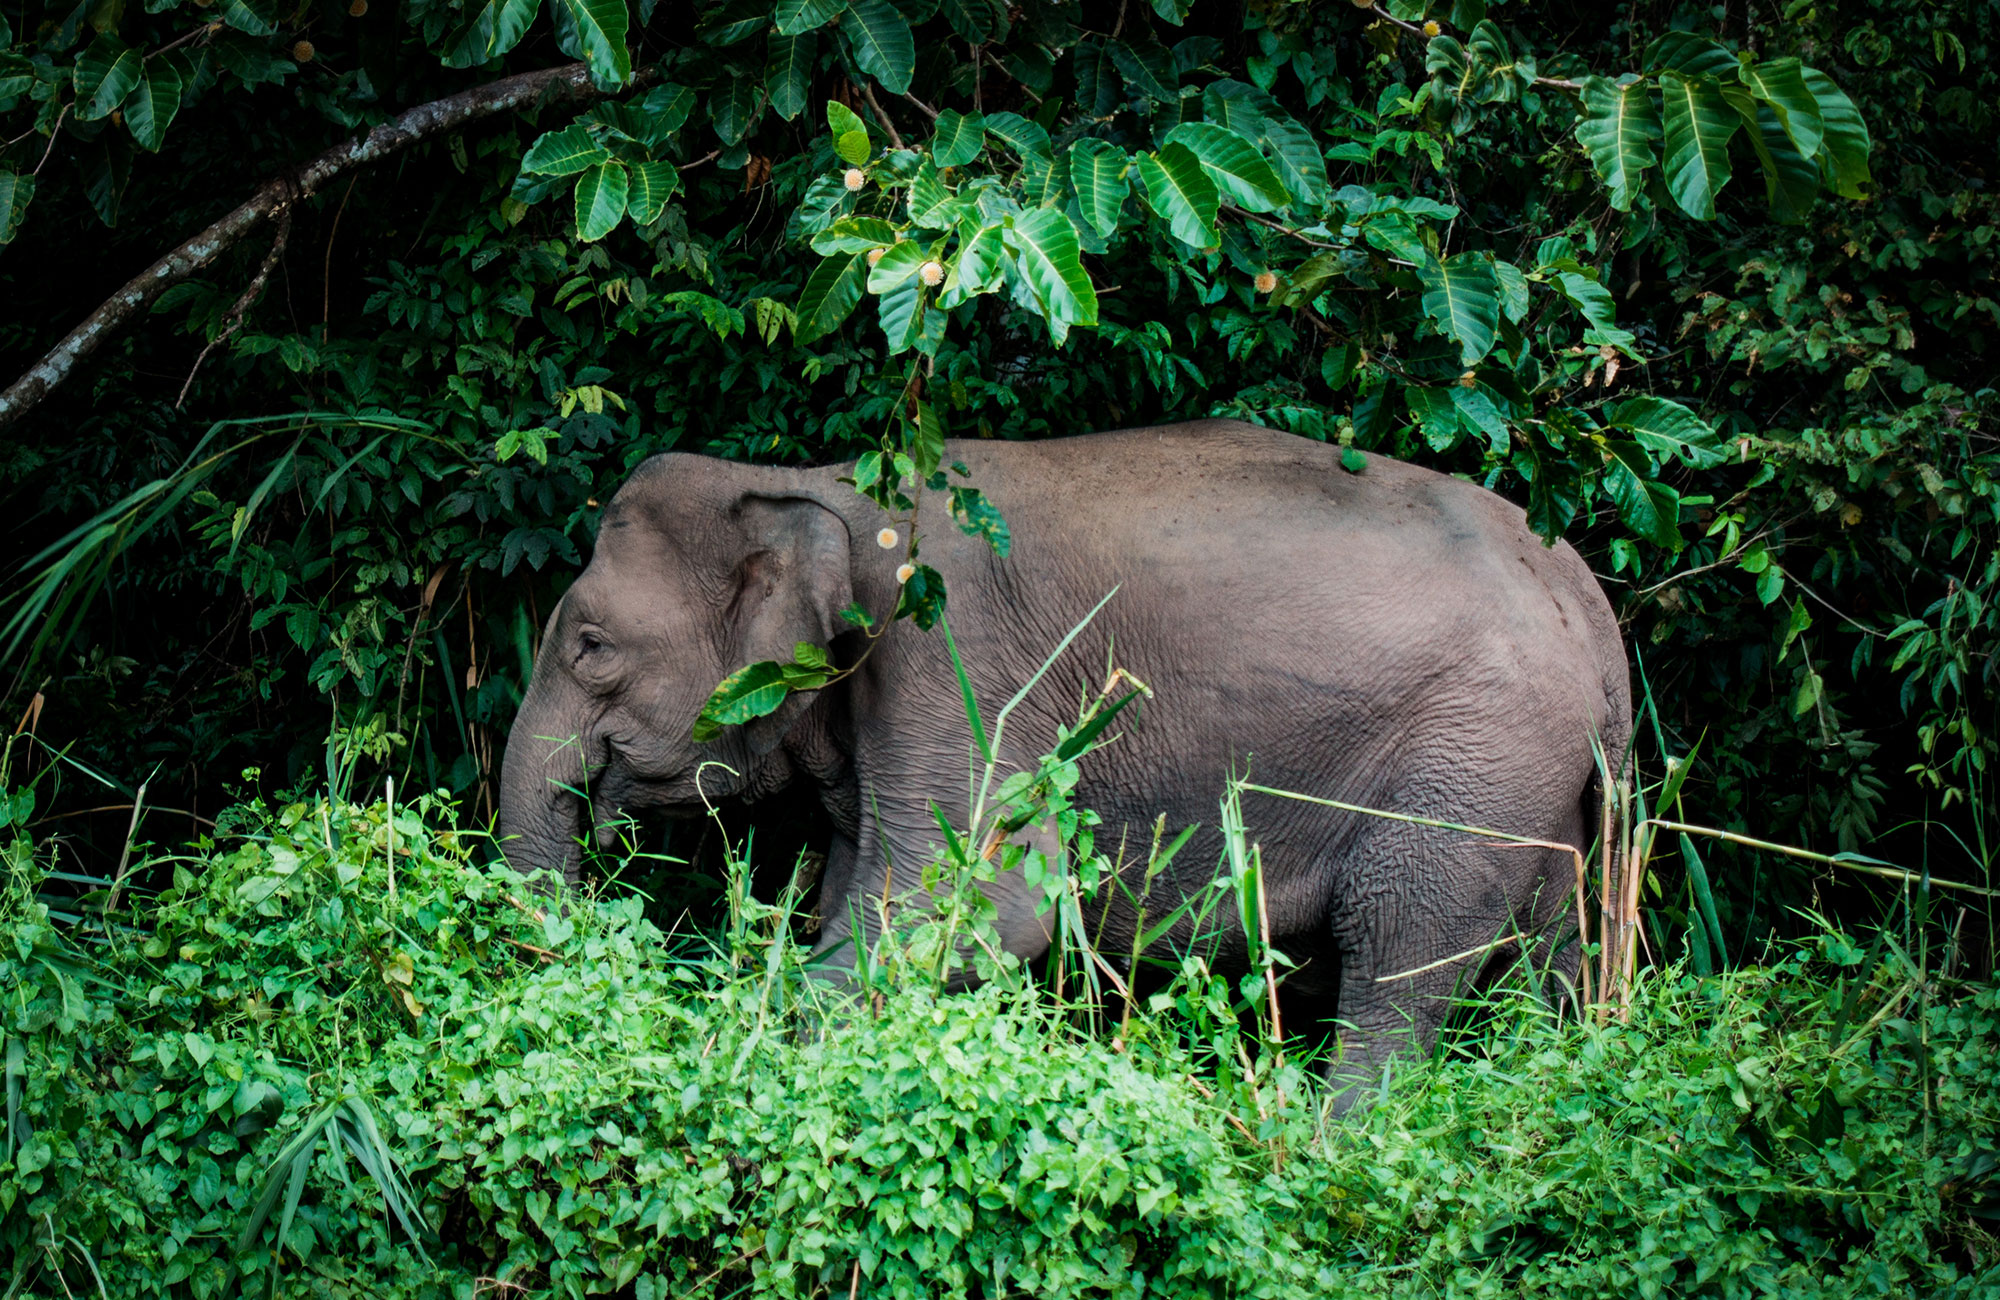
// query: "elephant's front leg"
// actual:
[[903, 864]]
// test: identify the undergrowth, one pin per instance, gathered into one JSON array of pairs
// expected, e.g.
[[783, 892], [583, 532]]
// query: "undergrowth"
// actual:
[[427, 1084]]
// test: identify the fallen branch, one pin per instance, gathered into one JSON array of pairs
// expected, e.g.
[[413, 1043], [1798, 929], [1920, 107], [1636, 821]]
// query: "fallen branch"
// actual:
[[278, 195]]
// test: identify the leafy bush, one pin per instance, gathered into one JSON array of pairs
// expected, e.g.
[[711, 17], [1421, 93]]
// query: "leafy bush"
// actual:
[[574, 1103]]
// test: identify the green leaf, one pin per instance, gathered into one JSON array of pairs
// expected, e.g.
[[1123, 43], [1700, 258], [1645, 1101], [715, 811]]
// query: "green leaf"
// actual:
[[927, 446], [1019, 134], [1845, 144], [1097, 169], [600, 27], [1462, 295], [1781, 83], [1234, 164], [251, 17], [830, 295], [1690, 55], [1666, 427], [1591, 298], [1148, 69], [563, 153], [1618, 129], [798, 16], [1791, 180], [1250, 112], [977, 517], [978, 266], [15, 193], [898, 263], [1699, 123], [1513, 286], [850, 133], [651, 185], [752, 691], [600, 200], [105, 74], [1049, 260], [1477, 411], [1179, 190], [879, 39], [734, 110], [1648, 507], [854, 235], [959, 138], [788, 71], [151, 106], [496, 27]]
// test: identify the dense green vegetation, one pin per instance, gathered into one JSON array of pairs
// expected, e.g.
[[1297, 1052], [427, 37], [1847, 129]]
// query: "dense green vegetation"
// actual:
[[1709, 290], [582, 1105]]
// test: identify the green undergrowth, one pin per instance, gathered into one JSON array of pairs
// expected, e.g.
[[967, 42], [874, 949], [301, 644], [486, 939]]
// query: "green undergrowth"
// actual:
[[430, 1089]]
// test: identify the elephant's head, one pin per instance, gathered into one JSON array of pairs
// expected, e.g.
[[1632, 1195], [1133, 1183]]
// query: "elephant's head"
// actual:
[[701, 567]]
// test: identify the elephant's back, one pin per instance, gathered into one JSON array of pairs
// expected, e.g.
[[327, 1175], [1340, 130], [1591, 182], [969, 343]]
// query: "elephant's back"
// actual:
[[1250, 560]]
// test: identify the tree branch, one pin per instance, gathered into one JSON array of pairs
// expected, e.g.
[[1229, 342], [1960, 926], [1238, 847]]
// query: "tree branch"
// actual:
[[276, 196]]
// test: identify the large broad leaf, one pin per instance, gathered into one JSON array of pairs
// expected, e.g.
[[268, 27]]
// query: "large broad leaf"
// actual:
[[959, 138], [1664, 426], [898, 263], [1147, 67], [734, 111], [105, 74], [1845, 143], [1019, 134], [978, 266], [1462, 295], [154, 101], [1648, 507], [1618, 129], [1234, 164], [748, 693], [830, 295], [1097, 170], [854, 235], [1178, 189], [1049, 261], [251, 17], [651, 185], [496, 27], [789, 71], [598, 28], [1690, 55], [1791, 180], [1596, 304], [1781, 83], [15, 193], [879, 39], [977, 21], [1513, 290], [1699, 123], [563, 153], [600, 200], [796, 16]]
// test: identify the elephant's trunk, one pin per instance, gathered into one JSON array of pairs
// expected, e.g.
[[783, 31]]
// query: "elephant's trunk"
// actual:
[[541, 816]]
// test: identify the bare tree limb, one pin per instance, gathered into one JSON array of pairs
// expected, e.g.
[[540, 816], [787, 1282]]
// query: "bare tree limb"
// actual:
[[276, 196]]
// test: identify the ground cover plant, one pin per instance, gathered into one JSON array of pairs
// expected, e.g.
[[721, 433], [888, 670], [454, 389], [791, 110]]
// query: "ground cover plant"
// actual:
[[338, 1055]]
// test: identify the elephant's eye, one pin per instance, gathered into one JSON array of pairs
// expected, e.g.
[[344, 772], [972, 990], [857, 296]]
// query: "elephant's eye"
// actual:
[[588, 643]]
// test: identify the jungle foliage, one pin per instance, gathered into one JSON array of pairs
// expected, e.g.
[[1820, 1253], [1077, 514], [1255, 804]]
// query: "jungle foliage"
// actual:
[[1708, 290], [339, 1056]]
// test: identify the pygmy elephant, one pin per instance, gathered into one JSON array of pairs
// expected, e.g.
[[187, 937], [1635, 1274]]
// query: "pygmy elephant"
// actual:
[[1392, 638]]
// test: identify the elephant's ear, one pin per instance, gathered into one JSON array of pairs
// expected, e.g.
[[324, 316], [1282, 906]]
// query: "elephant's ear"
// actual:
[[794, 579]]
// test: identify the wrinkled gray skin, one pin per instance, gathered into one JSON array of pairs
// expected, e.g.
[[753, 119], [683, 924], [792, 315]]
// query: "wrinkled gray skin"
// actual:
[[1394, 638]]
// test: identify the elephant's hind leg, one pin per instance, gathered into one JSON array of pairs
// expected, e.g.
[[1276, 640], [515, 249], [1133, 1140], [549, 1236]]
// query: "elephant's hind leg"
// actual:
[[1421, 915]]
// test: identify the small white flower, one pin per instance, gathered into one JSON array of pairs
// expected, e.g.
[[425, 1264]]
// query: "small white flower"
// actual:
[[931, 273], [1266, 281], [886, 539], [905, 573], [875, 255], [854, 179]]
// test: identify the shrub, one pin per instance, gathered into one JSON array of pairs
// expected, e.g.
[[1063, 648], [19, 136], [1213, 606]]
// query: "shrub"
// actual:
[[575, 1103]]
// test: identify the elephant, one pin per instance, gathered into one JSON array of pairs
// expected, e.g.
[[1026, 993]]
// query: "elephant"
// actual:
[[1393, 638]]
